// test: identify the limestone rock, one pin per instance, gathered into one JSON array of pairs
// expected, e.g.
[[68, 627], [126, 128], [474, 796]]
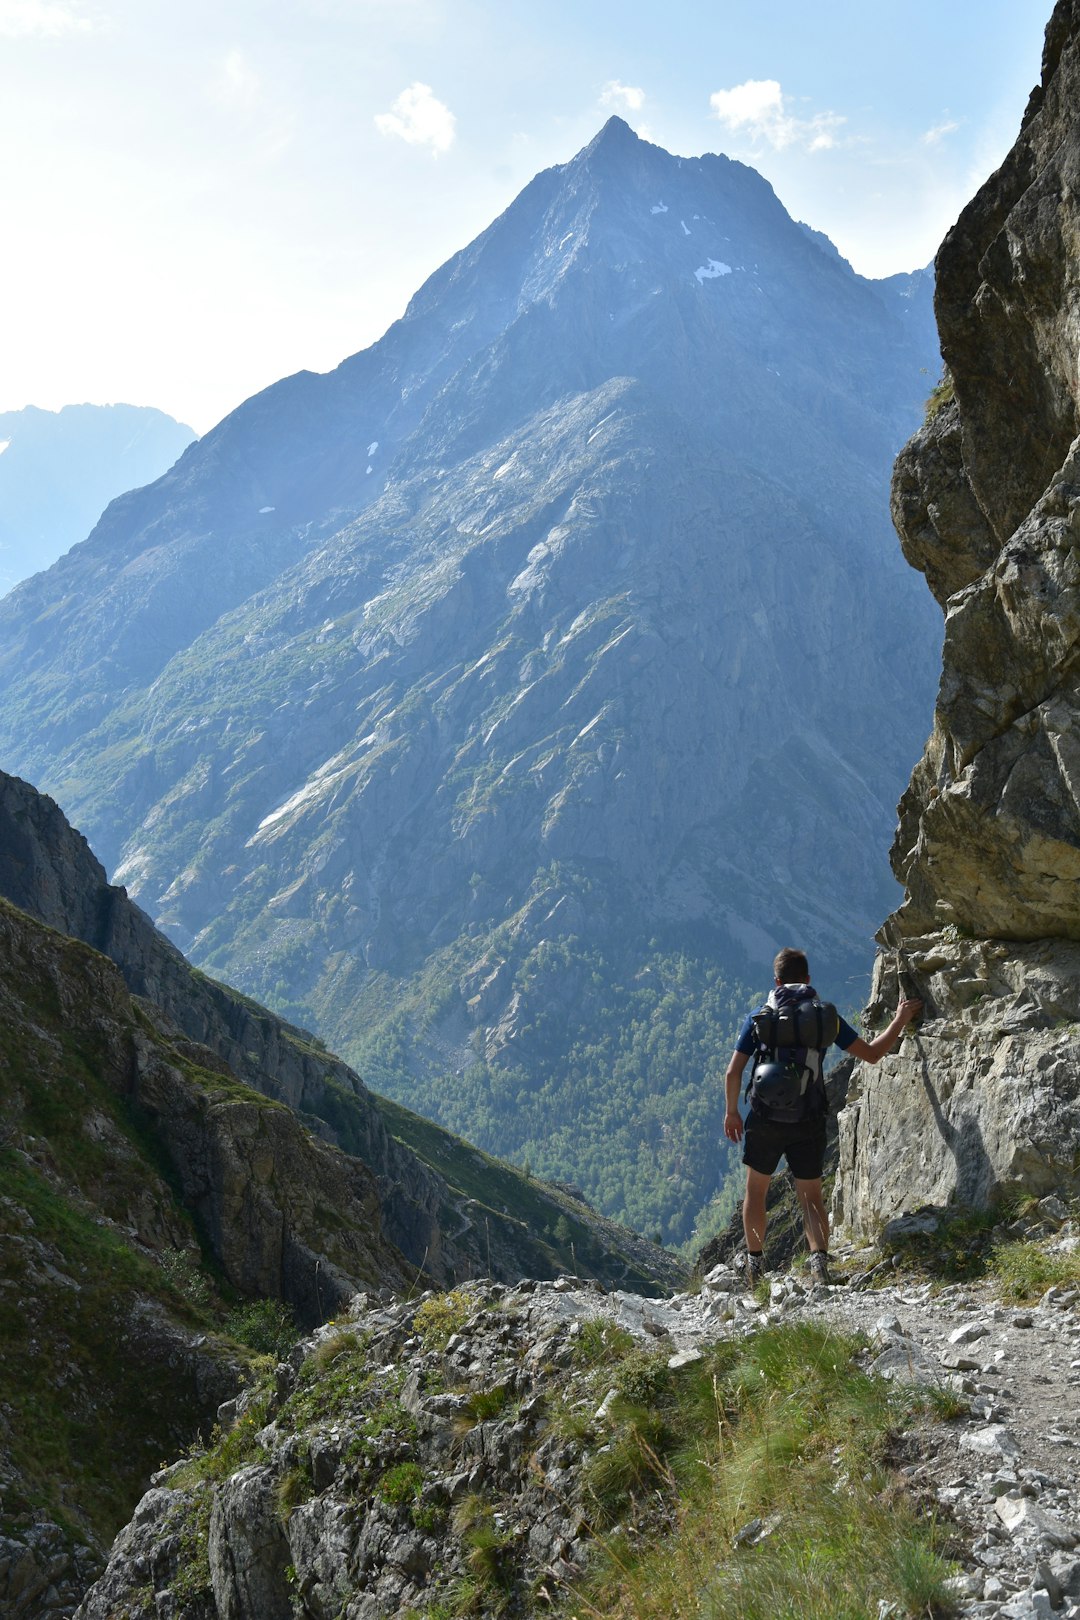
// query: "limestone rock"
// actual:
[[985, 1094]]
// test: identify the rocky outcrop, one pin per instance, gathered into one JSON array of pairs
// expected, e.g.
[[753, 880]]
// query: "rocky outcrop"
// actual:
[[458, 1445], [285, 1215], [985, 1094]]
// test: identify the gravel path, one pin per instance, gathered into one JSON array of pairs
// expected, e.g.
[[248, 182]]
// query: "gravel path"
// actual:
[[1006, 1473]]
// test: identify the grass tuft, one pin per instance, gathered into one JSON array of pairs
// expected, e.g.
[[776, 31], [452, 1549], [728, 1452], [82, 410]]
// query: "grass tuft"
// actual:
[[1026, 1270]]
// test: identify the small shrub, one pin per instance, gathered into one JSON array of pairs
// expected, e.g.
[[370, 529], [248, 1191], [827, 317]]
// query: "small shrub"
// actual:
[[328, 1350], [942, 394], [293, 1488], [484, 1404], [192, 1584], [947, 1405], [391, 1418], [430, 1517], [643, 1378], [183, 1273], [401, 1484], [267, 1326], [601, 1342], [438, 1318]]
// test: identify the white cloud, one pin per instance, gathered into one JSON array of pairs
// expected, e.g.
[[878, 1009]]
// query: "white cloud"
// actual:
[[625, 96], [939, 132], [420, 118], [760, 108], [41, 19], [236, 83]]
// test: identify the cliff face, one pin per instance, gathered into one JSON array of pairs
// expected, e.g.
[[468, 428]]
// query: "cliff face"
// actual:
[[986, 498]]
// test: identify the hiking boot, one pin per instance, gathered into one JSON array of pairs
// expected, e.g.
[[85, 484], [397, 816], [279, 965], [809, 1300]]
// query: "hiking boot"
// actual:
[[755, 1269], [819, 1270]]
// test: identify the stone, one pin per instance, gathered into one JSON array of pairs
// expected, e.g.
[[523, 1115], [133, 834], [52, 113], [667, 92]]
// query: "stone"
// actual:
[[1046, 1577], [904, 1361], [684, 1358], [247, 1549], [993, 1440], [1023, 1517], [962, 1586], [969, 1333]]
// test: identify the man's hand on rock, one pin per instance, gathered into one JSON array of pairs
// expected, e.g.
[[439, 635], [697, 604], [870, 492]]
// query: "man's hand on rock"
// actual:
[[908, 1008]]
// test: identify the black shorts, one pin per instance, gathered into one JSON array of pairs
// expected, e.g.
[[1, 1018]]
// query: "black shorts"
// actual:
[[765, 1143]]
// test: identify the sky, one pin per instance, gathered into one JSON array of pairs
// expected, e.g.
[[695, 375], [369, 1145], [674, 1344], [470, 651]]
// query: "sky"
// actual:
[[199, 199]]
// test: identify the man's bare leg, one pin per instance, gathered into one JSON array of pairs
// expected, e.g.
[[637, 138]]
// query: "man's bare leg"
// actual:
[[815, 1219], [753, 1209]]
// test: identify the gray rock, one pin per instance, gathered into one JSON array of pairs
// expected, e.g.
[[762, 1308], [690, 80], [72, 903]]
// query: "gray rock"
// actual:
[[904, 1361], [248, 1550], [1023, 1517], [995, 1441], [986, 1093]]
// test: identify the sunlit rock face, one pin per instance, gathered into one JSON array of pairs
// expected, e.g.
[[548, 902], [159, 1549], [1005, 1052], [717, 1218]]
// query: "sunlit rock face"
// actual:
[[987, 502], [561, 629]]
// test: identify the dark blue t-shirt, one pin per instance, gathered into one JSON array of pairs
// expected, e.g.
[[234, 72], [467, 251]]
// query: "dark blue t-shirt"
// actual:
[[748, 1045]]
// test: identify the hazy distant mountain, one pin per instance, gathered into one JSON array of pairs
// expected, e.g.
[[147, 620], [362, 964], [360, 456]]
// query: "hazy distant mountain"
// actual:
[[60, 469], [499, 702]]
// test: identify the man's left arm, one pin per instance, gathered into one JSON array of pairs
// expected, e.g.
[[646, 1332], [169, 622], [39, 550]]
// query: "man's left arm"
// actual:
[[733, 1125]]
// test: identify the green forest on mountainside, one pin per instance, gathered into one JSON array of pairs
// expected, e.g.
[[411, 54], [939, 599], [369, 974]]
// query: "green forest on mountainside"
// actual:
[[635, 1081]]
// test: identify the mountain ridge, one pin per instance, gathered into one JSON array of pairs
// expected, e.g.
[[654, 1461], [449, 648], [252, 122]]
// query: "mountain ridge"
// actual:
[[59, 469]]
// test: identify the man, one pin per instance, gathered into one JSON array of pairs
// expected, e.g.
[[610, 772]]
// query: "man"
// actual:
[[802, 1143]]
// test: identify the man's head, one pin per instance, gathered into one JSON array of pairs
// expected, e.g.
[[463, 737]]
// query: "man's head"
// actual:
[[791, 967]]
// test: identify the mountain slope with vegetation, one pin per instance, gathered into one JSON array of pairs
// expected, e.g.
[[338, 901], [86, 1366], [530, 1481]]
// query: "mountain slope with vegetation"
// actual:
[[166, 1215]]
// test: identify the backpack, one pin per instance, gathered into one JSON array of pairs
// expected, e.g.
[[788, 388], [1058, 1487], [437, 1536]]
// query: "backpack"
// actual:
[[793, 1032]]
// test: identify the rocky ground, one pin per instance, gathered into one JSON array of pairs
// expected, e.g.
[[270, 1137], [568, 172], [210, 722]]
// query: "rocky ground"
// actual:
[[418, 1443]]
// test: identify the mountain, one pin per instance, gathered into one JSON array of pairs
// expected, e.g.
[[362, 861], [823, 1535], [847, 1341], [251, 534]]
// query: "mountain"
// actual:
[[60, 469], [175, 1198], [497, 704], [442, 1209], [983, 1101]]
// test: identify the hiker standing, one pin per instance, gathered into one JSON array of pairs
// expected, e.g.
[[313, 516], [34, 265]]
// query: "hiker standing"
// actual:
[[788, 1038]]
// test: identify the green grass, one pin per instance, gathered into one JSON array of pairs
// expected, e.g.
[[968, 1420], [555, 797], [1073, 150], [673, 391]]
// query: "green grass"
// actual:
[[782, 1427], [1026, 1270], [960, 1250], [942, 394]]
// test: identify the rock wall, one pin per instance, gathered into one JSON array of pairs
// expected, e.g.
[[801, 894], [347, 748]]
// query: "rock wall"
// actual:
[[985, 1094]]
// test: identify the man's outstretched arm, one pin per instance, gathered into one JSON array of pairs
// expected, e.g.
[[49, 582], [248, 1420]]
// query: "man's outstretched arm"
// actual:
[[873, 1051]]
